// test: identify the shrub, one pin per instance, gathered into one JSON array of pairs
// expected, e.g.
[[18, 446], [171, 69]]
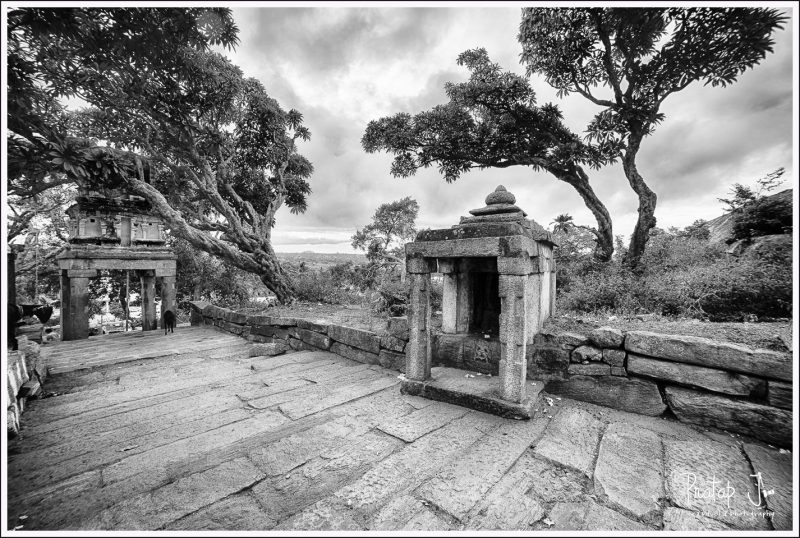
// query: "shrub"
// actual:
[[764, 216]]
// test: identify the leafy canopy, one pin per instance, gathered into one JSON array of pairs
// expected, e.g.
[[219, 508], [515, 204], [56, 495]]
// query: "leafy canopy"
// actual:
[[392, 225]]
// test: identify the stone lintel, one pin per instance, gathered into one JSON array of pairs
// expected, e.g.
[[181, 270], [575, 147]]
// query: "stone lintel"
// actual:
[[166, 272], [521, 265], [81, 273], [477, 247], [420, 265]]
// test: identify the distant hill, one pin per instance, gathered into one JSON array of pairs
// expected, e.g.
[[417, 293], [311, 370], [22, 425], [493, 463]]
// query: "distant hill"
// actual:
[[721, 228], [319, 260]]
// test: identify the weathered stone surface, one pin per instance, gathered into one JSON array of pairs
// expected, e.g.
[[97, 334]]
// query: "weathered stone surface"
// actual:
[[366, 340], [392, 360], [314, 338], [775, 470], [355, 353], [628, 471], [298, 345], [614, 357], [319, 326], [393, 343], [546, 363], [607, 337], [589, 516], [779, 394], [411, 427], [571, 440], [239, 512], [281, 321], [699, 376], [710, 353], [633, 395], [398, 326], [618, 371], [572, 339], [763, 422], [713, 480], [589, 369], [678, 519], [267, 350], [407, 513], [587, 353]]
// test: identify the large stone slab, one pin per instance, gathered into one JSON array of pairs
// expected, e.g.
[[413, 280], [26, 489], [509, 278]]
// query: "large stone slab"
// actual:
[[239, 512], [589, 516], [392, 360], [607, 337], [713, 480], [411, 427], [774, 481], [779, 394], [633, 395], [678, 519], [314, 338], [763, 422], [366, 340], [628, 471], [698, 376], [355, 353], [571, 440], [710, 353]]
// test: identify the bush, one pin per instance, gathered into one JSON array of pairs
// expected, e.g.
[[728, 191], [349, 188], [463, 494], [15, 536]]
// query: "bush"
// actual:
[[322, 287], [764, 216]]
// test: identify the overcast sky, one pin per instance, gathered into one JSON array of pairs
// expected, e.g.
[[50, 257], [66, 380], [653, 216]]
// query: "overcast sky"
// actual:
[[342, 67]]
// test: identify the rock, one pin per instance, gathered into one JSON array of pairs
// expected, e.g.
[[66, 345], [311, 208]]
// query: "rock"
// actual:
[[775, 470], [628, 471], [547, 362], [607, 337], [319, 326], [763, 422], [589, 516], [267, 350], [678, 519], [633, 395], [572, 339], [713, 480], [393, 343], [354, 353], [614, 357], [589, 369], [779, 394], [392, 360], [710, 353], [398, 326], [314, 338], [616, 370], [698, 376], [366, 340], [571, 440], [587, 353]]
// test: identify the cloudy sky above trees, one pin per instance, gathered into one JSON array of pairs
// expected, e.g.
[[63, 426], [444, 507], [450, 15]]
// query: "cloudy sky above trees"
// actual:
[[344, 66]]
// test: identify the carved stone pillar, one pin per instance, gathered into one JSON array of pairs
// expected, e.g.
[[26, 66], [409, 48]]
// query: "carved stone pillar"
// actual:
[[148, 281], [513, 336]]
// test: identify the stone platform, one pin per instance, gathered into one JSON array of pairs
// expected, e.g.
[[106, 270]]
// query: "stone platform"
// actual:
[[206, 437], [472, 390]]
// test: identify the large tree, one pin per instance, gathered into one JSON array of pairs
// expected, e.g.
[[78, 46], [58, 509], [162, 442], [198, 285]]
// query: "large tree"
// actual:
[[392, 225], [629, 60], [493, 121], [222, 152]]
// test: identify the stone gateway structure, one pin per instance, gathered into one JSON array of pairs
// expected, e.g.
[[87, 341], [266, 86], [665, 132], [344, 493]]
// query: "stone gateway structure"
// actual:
[[112, 230], [498, 289]]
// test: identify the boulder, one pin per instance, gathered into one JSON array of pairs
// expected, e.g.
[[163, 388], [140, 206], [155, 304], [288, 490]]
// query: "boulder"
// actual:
[[614, 357], [587, 353], [607, 337], [633, 395], [710, 353], [572, 339], [763, 422]]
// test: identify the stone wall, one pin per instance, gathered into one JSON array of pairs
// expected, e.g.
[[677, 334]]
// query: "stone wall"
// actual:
[[700, 381], [299, 334], [26, 373]]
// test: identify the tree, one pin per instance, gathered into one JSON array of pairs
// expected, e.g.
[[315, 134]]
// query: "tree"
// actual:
[[492, 121], [392, 225], [642, 55], [222, 153], [741, 195], [563, 223]]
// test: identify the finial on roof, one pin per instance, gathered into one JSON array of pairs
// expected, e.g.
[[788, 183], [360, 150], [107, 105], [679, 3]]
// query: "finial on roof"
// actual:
[[500, 196]]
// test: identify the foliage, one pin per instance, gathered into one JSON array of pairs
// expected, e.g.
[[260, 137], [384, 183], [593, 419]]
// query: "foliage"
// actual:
[[641, 55], [221, 153], [327, 286], [741, 195], [763, 216], [491, 121], [392, 225]]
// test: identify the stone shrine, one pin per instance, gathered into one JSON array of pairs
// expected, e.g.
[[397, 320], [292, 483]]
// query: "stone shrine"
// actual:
[[498, 289], [113, 230]]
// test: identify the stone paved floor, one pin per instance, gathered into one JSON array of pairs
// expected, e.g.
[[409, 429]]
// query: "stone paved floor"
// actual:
[[207, 437]]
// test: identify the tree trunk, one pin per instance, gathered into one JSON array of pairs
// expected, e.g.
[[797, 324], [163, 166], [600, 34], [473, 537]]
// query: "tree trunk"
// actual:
[[647, 203], [604, 237]]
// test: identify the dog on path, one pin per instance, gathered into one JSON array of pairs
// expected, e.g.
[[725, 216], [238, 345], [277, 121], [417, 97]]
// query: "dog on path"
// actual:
[[169, 321]]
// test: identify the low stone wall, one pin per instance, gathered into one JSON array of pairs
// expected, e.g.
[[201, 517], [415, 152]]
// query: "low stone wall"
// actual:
[[360, 345], [701, 381], [26, 373]]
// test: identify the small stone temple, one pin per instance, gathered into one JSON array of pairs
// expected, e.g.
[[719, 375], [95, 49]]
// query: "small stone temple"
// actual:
[[113, 230], [498, 289]]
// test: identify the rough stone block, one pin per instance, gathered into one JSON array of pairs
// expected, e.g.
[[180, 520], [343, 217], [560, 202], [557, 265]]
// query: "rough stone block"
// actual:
[[697, 376], [547, 362], [587, 353], [589, 369], [397, 326], [393, 343], [763, 422], [319, 326], [618, 371], [571, 440], [520, 265], [775, 470], [298, 345], [779, 394], [392, 360], [710, 353], [280, 321], [572, 339], [632, 395], [314, 338], [607, 337], [267, 350], [614, 357], [231, 327], [419, 265], [366, 340], [354, 353], [589, 516], [680, 520]]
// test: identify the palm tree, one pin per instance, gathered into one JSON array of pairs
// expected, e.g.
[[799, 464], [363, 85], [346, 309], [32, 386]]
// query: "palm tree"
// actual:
[[563, 223]]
